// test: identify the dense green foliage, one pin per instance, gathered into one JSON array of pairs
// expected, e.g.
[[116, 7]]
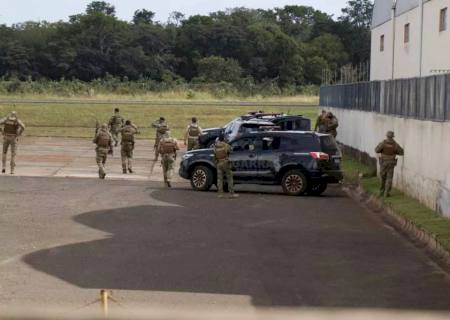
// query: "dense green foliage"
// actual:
[[283, 47]]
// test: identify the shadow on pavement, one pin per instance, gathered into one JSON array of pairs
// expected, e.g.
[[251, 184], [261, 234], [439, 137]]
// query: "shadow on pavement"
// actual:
[[281, 251]]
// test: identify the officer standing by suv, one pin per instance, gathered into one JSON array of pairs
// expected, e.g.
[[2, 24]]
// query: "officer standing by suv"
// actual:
[[388, 149], [222, 152], [191, 137]]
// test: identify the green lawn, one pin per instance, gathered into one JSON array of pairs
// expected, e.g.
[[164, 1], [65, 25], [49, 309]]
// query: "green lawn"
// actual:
[[405, 206], [78, 120]]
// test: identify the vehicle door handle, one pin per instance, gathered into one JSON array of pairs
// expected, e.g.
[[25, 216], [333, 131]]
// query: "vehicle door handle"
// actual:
[[252, 155]]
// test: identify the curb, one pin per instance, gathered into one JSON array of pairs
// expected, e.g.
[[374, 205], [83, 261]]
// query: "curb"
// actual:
[[418, 236]]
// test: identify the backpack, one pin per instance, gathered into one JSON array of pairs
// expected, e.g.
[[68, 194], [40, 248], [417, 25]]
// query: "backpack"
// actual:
[[194, 131], [221, 151], [128, 134], [11, 126], [168, 146], [162, 129], [103, 139]]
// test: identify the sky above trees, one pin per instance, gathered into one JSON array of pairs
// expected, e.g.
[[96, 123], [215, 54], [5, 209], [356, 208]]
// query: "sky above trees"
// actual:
[[54, 10]]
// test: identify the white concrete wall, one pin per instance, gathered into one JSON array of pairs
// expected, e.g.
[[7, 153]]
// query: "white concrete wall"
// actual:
[[407, 55], [436, 45], [381, 61], [424, 171]]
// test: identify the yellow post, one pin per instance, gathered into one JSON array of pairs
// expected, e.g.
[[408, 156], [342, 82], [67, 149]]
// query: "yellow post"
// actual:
[[104, 301]]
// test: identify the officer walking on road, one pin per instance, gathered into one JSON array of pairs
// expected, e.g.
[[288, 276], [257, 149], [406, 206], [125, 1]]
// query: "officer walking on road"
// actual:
[[192, 135], [104, 142], [222, 152], [168, 148], [12, 129], [127, 146], [115, 124], [161, 128], [388, 149]]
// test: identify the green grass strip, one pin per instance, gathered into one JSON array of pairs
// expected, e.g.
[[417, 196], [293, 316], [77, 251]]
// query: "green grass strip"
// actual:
[[403, 205]]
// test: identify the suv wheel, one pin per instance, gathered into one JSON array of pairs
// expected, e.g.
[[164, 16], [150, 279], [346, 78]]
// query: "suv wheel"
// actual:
[[317, 189], [294, 183], [201, 178]]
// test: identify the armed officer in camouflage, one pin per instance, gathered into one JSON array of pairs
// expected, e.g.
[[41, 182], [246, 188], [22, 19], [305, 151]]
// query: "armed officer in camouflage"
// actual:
[[168, 148], [192, 135], [222, 152], [332, 124], [161, 128], [104, 142], [12, 129], [388, 149], [127, 146], [321, 122], [115, 124]]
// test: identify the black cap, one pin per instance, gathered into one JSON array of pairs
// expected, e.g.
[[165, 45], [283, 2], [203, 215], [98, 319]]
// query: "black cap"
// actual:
[[128, 122], [116, 110]]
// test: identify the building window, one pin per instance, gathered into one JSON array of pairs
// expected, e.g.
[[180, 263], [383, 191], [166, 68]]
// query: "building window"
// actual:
[[382, 43], [443, 20], [406, 36]]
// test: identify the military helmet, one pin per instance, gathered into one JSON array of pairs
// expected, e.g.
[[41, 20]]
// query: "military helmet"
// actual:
[[13, 115], [104, 126], [390, 134]]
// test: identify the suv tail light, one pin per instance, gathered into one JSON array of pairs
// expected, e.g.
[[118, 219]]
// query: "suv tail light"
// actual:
[[320, 156]]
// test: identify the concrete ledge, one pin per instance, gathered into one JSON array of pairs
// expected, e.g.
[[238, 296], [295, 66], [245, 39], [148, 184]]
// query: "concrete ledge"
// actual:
[[406, 227], [260, 314]]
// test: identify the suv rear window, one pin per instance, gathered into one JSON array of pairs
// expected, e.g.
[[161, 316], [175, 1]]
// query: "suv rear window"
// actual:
[[301, 143], [328, 144]]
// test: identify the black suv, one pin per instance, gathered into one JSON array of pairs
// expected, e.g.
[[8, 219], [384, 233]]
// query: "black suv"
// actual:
[[254, 121], [302, 162]]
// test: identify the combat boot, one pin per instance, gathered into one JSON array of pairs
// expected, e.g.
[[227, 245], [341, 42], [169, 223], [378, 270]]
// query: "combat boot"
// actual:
[[130, 170], [220, 195], [169, 185], [234, 195], [12, 170], [3, 171], [124, 171]]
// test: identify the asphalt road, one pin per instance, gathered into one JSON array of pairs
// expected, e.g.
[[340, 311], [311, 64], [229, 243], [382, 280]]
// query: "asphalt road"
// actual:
[[63, 239]]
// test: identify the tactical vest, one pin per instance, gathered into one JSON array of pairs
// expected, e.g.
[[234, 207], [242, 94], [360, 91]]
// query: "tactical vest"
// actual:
[[221, 151], [116, 120], [11, 126], [389, 149], [168, 146], [103, 139], [162, 129], [194, 131], [128, 134]]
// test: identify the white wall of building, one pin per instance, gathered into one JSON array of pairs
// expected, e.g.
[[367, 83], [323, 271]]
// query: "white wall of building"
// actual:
[[409, 61], [424, 171], [407, 55], [381, 61], [436, 45]]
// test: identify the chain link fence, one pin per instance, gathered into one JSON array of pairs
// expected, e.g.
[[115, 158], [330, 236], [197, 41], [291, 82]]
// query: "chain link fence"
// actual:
[[419, 98]]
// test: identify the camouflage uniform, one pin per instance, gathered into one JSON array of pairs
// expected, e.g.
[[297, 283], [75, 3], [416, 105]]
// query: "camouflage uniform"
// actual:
[[161, 129], [193, 132], [332, 124], [127, 147], [321, 124], [168, 148], [104, 142], [222, 151], [115, 125], [389, 149], [12, 129]]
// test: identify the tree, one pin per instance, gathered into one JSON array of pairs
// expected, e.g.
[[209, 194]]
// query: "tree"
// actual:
[[101, 7], [354, 29], [143, 16], [216, 69]]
